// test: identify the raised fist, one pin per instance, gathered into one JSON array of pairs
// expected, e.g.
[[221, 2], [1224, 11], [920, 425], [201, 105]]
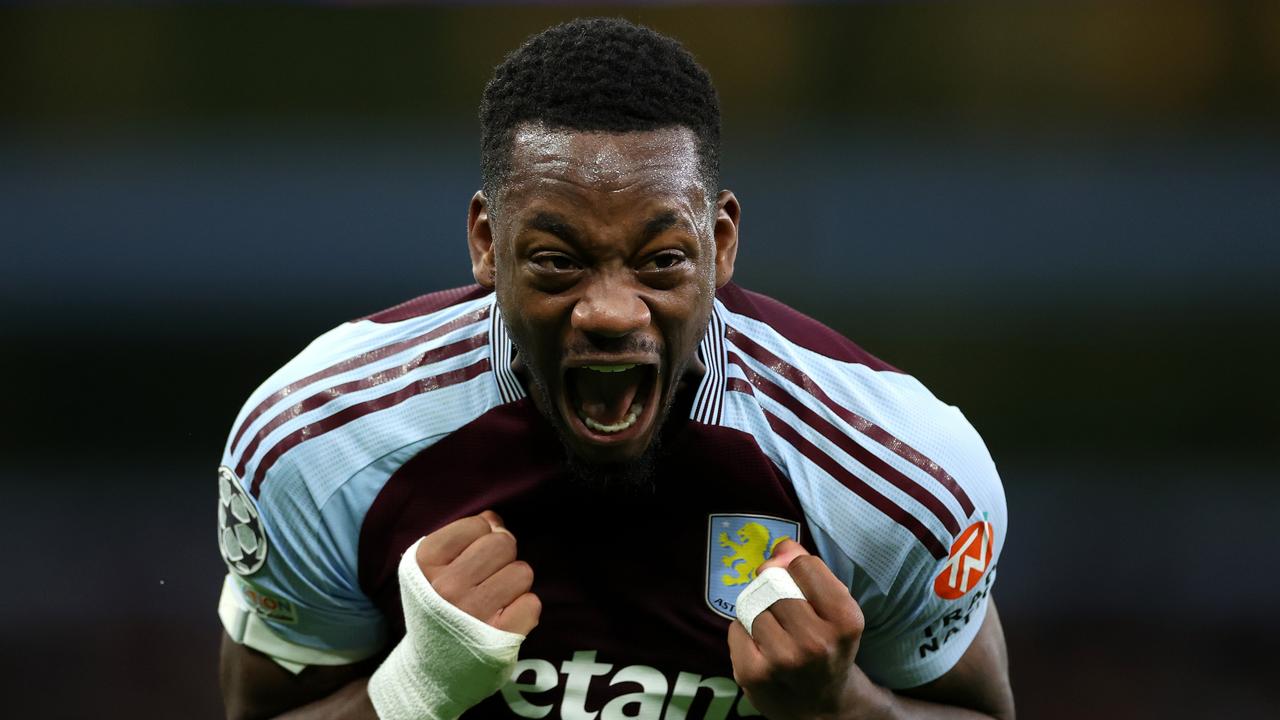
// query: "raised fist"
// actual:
[[798, 660], [472, 564], [467, 609]]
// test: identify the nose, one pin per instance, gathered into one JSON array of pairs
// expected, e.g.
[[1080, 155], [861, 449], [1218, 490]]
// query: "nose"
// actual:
[[610, 308]]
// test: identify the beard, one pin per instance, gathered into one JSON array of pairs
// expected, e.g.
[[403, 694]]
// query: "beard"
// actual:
[[636, 477], [633, 477]]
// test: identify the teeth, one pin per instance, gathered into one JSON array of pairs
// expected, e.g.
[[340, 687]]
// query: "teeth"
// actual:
[[623, 424], [610, 368]]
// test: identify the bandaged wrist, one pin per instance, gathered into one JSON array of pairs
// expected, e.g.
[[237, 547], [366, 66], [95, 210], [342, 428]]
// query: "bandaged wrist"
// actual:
[[769, 587], [448, 660]]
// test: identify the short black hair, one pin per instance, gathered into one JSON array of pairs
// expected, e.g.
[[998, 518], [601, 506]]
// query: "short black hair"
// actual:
[[598, 74]]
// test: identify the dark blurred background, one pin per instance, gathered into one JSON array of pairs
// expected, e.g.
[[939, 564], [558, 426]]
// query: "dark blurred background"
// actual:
[[1062, 217]]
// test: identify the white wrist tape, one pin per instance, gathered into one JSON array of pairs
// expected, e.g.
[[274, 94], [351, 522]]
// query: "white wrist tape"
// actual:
[[448, 660], [768, 588]]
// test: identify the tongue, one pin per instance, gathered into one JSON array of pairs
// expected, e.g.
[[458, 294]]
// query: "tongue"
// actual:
[[606, 397]]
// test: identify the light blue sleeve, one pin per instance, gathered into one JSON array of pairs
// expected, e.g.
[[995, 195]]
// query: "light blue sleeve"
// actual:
[[914, 636], [922, 609], [920, 625], [292, 571]]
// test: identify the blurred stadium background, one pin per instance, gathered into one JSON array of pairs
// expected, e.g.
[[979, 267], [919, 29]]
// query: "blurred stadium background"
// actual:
[[1063, 218]]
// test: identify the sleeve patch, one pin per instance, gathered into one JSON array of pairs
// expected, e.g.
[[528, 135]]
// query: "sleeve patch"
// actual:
[[967, 563], [267, 606], [241, 539]]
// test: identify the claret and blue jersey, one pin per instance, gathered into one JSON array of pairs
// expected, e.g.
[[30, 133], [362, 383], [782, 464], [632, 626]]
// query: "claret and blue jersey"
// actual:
[[392, 426]]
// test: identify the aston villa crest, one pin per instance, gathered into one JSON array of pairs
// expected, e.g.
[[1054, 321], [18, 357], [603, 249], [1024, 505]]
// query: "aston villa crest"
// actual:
[[736, 546]]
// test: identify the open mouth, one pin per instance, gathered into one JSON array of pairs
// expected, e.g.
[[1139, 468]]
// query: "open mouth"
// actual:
[[611, 402]]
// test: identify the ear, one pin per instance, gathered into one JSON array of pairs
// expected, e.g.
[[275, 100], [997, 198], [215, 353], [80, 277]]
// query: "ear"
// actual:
[[726, 236], [480, 240]]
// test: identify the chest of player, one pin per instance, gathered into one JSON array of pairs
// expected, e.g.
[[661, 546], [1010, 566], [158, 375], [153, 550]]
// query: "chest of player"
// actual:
[[637, 587]]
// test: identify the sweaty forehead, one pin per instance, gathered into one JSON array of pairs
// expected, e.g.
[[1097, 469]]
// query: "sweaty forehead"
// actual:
[[652, 161]]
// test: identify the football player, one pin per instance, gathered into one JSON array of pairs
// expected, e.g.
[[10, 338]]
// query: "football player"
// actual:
[[604, 481]]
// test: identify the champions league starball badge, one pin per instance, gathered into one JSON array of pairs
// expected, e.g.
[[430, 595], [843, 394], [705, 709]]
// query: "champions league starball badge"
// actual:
[[240, 536]]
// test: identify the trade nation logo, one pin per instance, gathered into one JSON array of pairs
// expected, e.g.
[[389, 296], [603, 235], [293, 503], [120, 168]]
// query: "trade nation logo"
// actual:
[[969, 559]]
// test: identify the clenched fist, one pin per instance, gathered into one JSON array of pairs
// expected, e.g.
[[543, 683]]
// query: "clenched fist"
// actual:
[[467, 609], [472, 564], [798, 660]]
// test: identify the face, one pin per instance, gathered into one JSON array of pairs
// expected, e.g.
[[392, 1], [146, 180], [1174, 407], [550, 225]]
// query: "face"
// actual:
[[605, 252]]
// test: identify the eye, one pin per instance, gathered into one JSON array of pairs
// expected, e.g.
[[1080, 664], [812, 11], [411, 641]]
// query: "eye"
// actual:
[[554, 262], [664, 261]]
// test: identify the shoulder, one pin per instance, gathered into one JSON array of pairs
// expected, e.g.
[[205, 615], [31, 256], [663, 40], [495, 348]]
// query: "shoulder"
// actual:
[[889, 475], [357, 392], [317, 442], [798, 329], [425, 305]]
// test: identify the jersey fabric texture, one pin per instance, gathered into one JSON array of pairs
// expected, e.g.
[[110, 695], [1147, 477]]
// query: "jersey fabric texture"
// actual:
[[387, 428]]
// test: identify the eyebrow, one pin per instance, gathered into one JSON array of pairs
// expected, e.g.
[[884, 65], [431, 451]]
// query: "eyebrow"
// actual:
[[553, 224], [659, 224], [556, 225]]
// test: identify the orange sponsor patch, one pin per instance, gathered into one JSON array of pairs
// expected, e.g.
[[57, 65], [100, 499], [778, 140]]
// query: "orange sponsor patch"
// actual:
[[970, 557]]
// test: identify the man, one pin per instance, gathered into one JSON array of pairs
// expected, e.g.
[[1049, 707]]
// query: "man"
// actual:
[[645, 492]]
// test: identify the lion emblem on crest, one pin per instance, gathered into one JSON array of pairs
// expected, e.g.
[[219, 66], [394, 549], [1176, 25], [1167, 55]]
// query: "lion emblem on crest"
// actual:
[[752, 548]]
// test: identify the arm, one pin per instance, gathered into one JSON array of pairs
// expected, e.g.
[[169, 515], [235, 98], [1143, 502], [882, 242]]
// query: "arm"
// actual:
[[254, 687], [798, 661], [980, 681], [470, 567]]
